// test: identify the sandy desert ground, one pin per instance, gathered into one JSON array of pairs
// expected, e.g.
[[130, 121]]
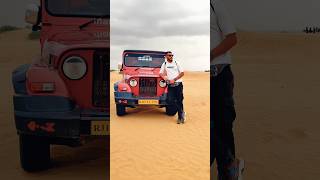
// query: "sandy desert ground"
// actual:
[[277, 99], [69, 163], [147, 144]]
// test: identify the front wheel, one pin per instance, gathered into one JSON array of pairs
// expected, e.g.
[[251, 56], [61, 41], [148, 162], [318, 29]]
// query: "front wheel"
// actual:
[[121, 110], [171, 110], [34, 153]]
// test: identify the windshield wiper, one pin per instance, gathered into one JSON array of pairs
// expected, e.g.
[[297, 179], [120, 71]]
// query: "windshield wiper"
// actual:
[[142, 67], [91, 21]]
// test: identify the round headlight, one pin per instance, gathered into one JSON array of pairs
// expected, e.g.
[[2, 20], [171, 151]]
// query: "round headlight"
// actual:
[[74, 67], [162, 83], [133, 83]]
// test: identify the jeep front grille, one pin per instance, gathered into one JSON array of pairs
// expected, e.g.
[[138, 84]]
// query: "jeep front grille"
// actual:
[[148, 87], [100, 97]]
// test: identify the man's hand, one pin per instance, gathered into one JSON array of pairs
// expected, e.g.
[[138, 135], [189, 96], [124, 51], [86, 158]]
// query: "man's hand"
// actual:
[[179, 76], [164, 76], [171, 81]]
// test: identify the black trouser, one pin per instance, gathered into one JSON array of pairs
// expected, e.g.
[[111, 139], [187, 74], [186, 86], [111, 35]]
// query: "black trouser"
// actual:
[[175, 97], [222, 113]]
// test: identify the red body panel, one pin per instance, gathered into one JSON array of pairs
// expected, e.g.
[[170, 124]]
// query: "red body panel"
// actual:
[[60, 38]]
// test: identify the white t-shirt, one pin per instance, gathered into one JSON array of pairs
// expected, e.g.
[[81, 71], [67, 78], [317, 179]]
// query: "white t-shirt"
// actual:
[[220, 26], [172, 69]]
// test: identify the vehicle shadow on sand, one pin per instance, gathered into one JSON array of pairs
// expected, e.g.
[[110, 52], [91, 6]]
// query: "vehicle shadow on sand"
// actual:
[[89, 161], [147, 112], [97, 150]]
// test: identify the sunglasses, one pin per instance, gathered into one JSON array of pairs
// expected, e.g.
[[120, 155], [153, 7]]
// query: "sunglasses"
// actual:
[[170, 55]]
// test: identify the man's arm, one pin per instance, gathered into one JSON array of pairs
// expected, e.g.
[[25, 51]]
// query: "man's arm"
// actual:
[[227, 29], [229, 42], [180, 69], [179, 76]]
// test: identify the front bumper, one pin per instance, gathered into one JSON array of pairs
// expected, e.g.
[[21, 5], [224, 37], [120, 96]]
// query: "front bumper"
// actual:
[[126, 98], [57, 118]]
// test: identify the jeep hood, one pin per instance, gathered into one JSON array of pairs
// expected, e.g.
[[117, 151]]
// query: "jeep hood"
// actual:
[[76, 36], [142, 72], [66, 40]]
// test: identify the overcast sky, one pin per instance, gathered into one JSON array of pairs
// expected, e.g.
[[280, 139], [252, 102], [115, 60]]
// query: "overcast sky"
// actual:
[[183, 26], [12, 12], [274, 15], [253, 15], [176, 25]]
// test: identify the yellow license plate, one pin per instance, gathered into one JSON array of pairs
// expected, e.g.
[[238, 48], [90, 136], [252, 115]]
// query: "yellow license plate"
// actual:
[[100, 128], [148, 101]]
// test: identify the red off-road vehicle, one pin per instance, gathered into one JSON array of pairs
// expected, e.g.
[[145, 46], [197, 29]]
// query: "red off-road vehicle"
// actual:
[[63, 96], [141, 83]]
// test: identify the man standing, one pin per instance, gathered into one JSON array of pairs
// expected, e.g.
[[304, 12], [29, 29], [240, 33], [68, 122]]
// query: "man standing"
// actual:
[[172, 72], [222, 39]]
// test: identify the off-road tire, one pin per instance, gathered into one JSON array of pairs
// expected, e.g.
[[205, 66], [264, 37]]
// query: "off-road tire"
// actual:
[[34, 153], [171, 110], [121, 110]]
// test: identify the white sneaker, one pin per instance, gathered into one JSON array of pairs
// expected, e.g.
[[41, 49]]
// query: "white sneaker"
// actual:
[[236, 169], [184, 117], [240, 168]]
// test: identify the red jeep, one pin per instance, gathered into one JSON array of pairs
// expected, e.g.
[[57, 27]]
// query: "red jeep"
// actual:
[[63, 96], [141, 83]]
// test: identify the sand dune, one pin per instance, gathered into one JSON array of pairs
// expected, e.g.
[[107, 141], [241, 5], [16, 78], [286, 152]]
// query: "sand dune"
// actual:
[[146, 144]]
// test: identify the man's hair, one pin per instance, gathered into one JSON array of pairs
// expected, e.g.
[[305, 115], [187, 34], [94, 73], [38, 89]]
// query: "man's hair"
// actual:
[[168, 52]]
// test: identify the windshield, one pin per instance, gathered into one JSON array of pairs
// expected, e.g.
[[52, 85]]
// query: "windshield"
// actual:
[[91, 8], [143, 60]]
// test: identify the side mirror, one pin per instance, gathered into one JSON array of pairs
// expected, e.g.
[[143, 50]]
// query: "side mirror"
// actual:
[[120, 67], [32, 16]]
